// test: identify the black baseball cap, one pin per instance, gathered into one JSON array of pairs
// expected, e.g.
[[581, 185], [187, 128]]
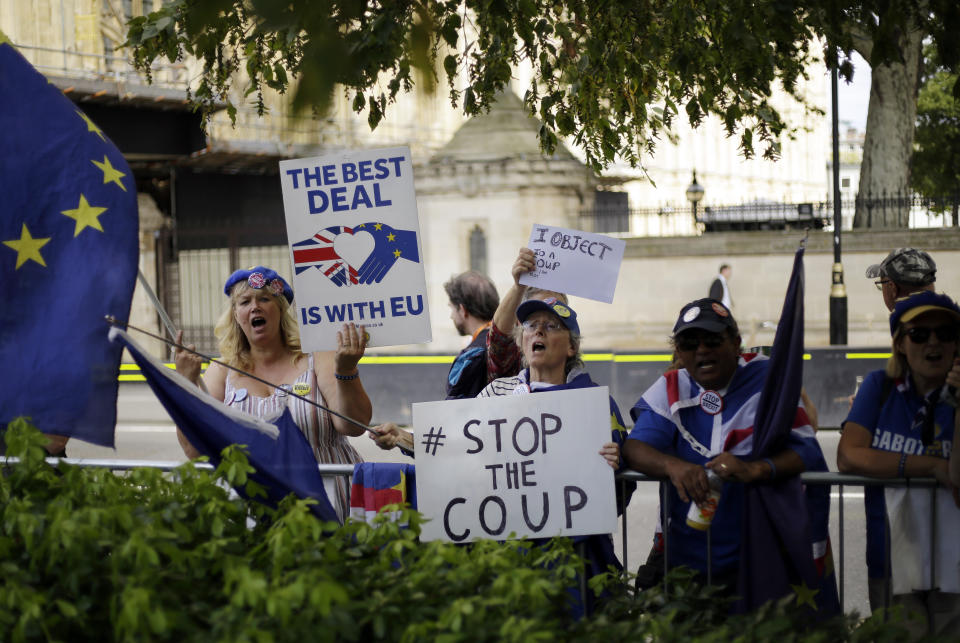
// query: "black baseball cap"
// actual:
[[708, 314]]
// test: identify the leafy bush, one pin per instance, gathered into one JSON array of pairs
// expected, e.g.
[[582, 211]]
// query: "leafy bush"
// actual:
[[90, 554]]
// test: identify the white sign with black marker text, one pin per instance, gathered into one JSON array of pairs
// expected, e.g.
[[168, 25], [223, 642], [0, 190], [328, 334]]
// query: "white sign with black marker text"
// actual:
[[522, 464], [585, 264], [355, 247]]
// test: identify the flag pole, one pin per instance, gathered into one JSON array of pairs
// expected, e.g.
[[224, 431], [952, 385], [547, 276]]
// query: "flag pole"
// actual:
[[164, 317], [113, 321], [152, 296]]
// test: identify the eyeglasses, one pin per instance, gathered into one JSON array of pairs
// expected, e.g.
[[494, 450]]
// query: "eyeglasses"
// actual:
[[879, 283], [921, 334], [692, 342], [545, 326]]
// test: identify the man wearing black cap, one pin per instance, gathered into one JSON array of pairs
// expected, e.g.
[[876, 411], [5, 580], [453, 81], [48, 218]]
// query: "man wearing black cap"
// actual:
[[903, 272], [700, 419]]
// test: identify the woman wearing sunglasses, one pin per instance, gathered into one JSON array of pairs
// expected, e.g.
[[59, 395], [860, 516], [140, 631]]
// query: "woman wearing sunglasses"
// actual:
[[694, 428], [901, 426]]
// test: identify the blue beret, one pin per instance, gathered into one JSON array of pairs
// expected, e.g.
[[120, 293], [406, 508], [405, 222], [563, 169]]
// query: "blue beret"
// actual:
[[257, 277]]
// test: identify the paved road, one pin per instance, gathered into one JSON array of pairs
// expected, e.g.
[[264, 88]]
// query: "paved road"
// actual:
[[144, 432]]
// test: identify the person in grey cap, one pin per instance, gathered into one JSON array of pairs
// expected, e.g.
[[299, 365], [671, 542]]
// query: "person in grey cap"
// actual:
[[903, 272]]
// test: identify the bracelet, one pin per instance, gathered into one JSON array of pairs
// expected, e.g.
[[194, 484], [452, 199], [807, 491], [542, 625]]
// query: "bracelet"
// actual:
[[346, 378], [902, 465], [773, 468]]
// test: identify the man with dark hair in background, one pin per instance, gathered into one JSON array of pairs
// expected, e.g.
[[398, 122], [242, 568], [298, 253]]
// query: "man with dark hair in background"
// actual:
[[903, 272], [473, 300]]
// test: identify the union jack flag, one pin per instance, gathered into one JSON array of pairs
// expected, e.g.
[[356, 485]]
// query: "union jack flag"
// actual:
[[317, 252], [676, 397]]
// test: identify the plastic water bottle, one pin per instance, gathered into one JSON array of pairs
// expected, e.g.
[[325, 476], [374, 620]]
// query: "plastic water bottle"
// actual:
[[856, 389], [701, 515]]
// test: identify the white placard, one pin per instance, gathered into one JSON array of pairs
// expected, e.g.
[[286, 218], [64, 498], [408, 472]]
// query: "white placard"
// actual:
[[579, 263], [522, 464], [355, 246]]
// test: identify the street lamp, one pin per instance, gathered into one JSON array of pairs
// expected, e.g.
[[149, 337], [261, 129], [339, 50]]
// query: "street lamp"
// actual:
[[838, 291], [694, 195]]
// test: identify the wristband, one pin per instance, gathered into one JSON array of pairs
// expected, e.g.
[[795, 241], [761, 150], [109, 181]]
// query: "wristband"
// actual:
[[902, 465], [773, 468], [346, 378]]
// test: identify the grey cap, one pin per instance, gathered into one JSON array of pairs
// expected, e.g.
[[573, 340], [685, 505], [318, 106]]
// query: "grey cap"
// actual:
[[906, 266]]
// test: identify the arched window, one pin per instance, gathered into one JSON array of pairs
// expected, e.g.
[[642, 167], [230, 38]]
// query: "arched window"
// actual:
[[478, 250]]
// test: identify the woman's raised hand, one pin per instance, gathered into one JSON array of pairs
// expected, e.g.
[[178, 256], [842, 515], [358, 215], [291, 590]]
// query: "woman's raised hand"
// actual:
[[526, 262], [351, 343], [187, 363]]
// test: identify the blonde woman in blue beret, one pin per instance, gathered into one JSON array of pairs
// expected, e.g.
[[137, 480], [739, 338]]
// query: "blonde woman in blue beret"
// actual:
[[258, 334]]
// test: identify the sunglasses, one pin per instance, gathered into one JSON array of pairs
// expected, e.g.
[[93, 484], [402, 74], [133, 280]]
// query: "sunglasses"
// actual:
[[692, 342], [921, 334], [879, 283]]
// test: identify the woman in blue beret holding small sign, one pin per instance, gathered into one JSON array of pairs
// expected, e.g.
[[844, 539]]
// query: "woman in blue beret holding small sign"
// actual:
[[257, 333]]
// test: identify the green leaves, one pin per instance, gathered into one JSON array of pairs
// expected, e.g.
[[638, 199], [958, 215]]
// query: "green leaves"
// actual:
[[610, 63], [89, 554], [935, 165], [93, 555]]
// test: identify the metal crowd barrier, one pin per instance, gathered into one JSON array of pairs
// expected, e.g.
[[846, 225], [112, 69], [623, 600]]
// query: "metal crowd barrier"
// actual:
[[839, 480]]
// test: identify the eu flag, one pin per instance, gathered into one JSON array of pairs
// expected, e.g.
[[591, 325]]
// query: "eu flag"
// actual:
[[68, 257], [784, 547], [276, 449], [390, 244]]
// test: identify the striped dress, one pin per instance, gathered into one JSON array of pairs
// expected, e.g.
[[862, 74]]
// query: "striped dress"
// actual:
[[329, 446]]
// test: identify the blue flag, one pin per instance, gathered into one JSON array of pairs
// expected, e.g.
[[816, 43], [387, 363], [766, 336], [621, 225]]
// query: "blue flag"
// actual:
[[784, 547], [68, 257], [390, 244], [379, 484], [276, 449]]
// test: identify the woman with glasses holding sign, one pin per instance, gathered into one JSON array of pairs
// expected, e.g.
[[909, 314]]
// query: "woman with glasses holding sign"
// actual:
[[549, 338], [901, 426], [258, 334]]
